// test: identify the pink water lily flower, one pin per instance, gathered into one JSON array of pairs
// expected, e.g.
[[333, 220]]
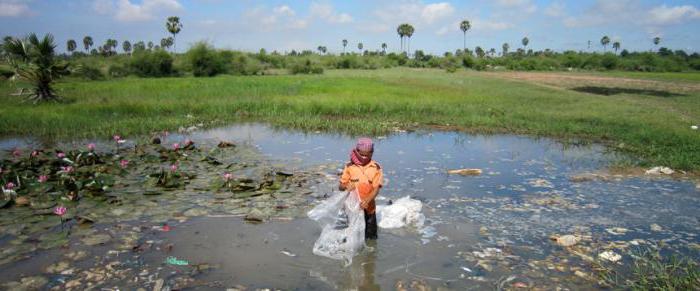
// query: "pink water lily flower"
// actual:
[[117, 138], [124, 163], [9, 186], [176, 146], [91, 147], [67, 169], [228, 176], [188, 142], [17, 153], [43, 178], [59, 210], [173, 168], [34, 154], [61, 155]]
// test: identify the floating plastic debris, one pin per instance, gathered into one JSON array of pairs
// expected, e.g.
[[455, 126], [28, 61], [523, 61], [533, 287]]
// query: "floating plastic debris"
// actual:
[[659, 171], [286, 253], [465, 172], [610, 256], [177, 262]]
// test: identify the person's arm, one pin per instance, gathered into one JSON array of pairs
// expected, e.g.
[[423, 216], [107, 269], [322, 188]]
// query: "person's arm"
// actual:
[[377, 180], [344, 180]]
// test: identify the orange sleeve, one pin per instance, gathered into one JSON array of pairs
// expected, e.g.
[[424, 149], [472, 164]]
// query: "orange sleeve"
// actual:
[[378, 178], [345, 177]]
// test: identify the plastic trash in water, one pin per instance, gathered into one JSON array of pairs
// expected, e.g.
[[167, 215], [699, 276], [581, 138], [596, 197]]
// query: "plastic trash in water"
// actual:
[[342, 219], [177, 262], [404, 211]]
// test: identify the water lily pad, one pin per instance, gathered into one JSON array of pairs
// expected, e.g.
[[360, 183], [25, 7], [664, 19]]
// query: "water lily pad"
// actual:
[[96, 239], [53, 240]]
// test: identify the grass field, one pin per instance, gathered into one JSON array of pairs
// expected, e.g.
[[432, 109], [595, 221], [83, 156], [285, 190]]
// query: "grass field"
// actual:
[[652, 126]]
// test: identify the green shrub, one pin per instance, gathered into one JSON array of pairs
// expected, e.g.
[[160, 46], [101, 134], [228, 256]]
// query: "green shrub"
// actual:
[[241, 64], [118, 71], [205, 61], [156, 63], [468, 61], [609, 61], [88, 72], [306, 67], [6, 72]]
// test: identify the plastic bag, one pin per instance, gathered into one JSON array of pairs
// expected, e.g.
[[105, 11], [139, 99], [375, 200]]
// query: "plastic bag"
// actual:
[[343, 222], [404, 211]]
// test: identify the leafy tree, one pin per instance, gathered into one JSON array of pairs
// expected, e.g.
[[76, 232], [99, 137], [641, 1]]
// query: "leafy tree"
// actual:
[[167, 42], [87, 43], [345, 43], [479, 52], [126, 46], [409, 32], [465, 25], [505, 49], [139, 46], [71, 45], [34, 61], [605, 41], [173, 26], [657, 40]]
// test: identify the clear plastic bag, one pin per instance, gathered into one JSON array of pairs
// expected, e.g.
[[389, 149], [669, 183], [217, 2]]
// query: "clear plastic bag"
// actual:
[[342, 219]]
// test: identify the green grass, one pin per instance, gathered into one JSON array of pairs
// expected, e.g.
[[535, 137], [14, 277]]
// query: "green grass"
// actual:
[[663, 76], [651, 271], [655, 129]]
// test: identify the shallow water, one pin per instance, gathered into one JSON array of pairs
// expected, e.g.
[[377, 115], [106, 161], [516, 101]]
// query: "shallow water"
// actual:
[[481, 232]]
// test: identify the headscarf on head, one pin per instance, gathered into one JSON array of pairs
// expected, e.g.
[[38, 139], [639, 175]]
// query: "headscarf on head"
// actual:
[[363, 144]]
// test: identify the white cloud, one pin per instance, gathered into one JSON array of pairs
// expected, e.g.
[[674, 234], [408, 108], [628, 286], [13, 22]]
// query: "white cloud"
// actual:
[[126, 11], [13, 8], [284, 10], [326, 12], [436, 11], [278, 18], [664, 15], [556, 9], [490, 25]]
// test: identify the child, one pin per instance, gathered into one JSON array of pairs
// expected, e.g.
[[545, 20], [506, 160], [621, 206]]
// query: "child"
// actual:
[[365, 175]]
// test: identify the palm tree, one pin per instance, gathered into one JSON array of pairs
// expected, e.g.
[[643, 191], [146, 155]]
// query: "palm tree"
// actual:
[[464, 26], [525, 41], [401, 30], [33, 60], [492, 52], [359, 47], [126, 46], [479, 52], [505, 49], [383, 48], [71, 45], [409, 32], [657, 41], [345, 43], [173, 26], [150, 45], [167, 42], [616, 46], [605, 41], [319, 49], [87, 43]]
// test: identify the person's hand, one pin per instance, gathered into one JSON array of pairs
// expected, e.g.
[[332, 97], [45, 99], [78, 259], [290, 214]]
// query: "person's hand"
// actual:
[[351, 187]]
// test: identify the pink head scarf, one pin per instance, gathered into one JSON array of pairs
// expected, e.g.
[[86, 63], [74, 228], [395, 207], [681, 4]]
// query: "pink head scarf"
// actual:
[[363, 144]]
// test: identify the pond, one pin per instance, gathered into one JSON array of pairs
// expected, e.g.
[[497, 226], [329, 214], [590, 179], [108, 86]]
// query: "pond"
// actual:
[[494, 230]]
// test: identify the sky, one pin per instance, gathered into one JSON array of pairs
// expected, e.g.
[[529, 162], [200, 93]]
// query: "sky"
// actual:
[[285, 25]]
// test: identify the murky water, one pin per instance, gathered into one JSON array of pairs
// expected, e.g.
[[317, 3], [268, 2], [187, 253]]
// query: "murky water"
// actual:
[[482, 232]]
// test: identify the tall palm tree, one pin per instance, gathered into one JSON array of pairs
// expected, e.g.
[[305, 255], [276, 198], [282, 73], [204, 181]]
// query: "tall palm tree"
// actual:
[[464, 26], [657, 41], [359, 47], [150, 45], [506, 46], [173, 26], [605, 41], [409, 32], [87, 43], [492, 52], [345, 43], [616, 46], [401, 30], [319, 49], [525, 42], [126, 46], [383, 48], [71, 45], [34, 61]]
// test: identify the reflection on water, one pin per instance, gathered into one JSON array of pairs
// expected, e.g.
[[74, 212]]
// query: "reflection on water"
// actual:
[[483, 231]]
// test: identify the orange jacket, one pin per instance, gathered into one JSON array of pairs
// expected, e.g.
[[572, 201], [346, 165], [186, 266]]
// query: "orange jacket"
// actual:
[[370, 174]]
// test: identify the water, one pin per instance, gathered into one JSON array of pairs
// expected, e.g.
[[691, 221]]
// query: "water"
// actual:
[[483, 231]]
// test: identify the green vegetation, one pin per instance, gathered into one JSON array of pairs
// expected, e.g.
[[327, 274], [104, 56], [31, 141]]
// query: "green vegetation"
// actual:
[[656, 129], [651, 271]]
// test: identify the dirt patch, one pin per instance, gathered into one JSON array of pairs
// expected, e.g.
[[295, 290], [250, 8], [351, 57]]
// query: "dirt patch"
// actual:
[[607, 85]]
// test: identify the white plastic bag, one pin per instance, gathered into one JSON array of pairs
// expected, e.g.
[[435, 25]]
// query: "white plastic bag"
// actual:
[[343, 222], [404, 211]]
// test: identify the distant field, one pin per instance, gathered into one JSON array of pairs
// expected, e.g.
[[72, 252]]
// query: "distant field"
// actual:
[[650, 119], [668, 76]]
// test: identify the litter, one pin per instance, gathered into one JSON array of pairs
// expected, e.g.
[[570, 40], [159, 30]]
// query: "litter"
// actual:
[[659, 171], [404, 211], [467, 269], [694, 127], [288, 253], [177, 262], [610, 256], [465, 172], [342, 219]]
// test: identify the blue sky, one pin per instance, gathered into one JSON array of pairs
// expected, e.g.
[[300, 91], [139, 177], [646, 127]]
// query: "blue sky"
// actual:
[[285, 25]]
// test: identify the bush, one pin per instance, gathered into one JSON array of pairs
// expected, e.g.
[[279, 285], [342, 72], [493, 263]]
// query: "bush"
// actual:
[[306, 67], [156, 63], [88, 72], [241, 64], [205, 61], [118, 71], [6, 72], [609, 61], [468, 61]]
